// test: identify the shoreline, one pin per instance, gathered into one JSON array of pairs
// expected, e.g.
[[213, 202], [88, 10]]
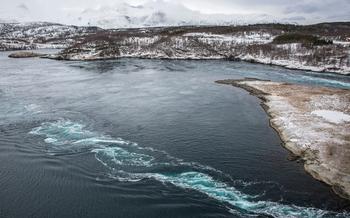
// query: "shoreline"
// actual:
[[312, 162], [288, 67], [206, 59], [283, 64]]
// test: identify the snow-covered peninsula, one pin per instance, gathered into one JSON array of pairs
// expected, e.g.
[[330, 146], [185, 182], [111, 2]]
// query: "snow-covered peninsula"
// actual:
[[313, 122]]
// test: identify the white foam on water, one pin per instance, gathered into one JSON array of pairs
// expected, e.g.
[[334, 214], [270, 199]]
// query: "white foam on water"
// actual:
[[115, 155], [33, 108], [119, 156], [329, 82], [222, 192]]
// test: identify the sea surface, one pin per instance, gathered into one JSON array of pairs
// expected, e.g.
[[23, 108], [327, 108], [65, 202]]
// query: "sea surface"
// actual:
[[148, 138]]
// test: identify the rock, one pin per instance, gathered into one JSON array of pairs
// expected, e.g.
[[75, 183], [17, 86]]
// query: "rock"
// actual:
[[292, 157]]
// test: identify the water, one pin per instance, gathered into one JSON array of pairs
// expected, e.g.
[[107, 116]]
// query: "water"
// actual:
[[148, 138]]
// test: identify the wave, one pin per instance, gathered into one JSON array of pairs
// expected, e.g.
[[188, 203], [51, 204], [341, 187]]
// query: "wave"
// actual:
[[127, 161], [325, 82]]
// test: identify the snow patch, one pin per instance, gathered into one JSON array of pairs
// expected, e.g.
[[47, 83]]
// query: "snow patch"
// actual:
[[245, 38], [332, 116]]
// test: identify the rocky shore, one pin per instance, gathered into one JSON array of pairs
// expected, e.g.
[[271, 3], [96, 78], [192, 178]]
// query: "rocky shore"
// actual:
[[313, 123]]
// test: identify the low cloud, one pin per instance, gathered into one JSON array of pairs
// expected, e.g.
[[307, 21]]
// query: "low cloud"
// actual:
[[303, 11], [295, 19], [23, 7]]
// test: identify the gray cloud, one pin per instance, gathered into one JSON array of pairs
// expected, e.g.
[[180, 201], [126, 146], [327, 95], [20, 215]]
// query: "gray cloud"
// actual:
[[302, 9], [327, 7], [23, 7], [295, 19]]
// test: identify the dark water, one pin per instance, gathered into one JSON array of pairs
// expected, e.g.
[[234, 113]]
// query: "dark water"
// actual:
[[148, 138]]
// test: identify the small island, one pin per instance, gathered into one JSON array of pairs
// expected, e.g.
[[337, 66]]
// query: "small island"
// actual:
[[313, 123], [25, 54]]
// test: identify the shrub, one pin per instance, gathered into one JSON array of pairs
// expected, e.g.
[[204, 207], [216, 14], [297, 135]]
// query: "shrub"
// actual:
[[301, 38]]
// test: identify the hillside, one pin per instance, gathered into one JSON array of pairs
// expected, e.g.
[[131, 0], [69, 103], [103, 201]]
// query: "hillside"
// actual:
[[24, 36], [322, 47]]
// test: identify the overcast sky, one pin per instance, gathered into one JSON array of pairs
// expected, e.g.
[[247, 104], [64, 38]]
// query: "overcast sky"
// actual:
[[304, 10]]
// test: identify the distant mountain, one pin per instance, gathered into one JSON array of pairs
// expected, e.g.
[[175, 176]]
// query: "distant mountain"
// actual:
[[157, 13], [123, 14]]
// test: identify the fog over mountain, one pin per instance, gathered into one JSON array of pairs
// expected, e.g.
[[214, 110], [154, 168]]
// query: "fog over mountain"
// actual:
[[140, 13], [159, 13]]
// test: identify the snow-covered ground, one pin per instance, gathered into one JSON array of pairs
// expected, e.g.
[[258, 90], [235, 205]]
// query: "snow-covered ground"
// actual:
[[344, 43], [297, 64], [245, 38]]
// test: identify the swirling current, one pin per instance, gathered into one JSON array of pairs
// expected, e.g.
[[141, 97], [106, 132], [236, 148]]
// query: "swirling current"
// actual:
[[129, 161]]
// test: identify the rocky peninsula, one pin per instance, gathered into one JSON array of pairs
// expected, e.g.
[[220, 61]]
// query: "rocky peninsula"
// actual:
[[313, 122]]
